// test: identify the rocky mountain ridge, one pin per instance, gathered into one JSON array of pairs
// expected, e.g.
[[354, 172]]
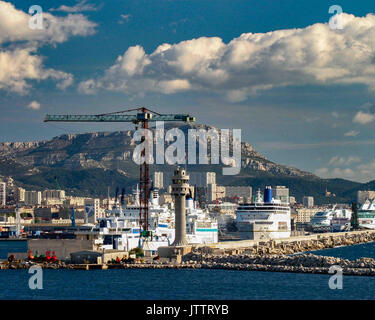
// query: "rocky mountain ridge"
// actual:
[[111, 151]]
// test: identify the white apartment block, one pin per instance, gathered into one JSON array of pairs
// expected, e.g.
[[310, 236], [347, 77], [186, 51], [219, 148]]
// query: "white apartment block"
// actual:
[[281, 193], [3, 193], [159, 180], [33, 198], [54, 194], [202, 179], [20, 195], [239, 191], [53, 197], [93, 209], [308, 201], [214, 191], [304, 214]]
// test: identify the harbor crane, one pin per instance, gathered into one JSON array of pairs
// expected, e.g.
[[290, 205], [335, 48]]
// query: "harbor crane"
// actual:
[[142, 118]]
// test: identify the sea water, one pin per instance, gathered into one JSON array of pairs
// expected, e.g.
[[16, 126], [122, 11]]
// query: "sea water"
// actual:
[[186, 283]]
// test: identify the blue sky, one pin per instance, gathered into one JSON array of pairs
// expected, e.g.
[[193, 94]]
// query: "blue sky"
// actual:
[[303, 95]]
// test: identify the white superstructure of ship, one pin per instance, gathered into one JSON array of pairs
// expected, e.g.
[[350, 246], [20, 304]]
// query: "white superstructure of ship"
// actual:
[[341, 220], [266, 218], [332, 219], [366, 215]]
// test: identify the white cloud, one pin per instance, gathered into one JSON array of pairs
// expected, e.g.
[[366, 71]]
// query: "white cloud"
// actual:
[[14, 26], [364, 117], [79, 7], [124, 17], [351, 133], [340, 161], [361, 173], [18, 66], [35, 105], [251, 62], [348, 168], [330, 173], [19, 61], [335, 114]]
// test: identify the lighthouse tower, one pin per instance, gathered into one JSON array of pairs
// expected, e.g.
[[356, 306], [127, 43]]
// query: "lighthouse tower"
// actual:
[[180, 188]]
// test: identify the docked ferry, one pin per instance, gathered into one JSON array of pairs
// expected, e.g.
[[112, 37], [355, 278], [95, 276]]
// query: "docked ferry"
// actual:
[[332, 219], [265, 218], [366, 215]]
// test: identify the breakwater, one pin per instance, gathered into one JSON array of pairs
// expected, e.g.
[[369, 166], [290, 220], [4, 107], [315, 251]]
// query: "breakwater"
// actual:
[[302, 263], [290, 245], [281, 255]]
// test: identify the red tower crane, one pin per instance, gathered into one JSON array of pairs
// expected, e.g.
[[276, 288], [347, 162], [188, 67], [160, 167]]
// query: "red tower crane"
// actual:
[[143, 117]]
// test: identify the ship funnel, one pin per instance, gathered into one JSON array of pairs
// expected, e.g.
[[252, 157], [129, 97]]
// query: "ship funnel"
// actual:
[[154, 196], [268, 195], [189, 203]]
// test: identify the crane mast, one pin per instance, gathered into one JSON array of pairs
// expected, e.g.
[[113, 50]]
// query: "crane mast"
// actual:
[[143, 117]]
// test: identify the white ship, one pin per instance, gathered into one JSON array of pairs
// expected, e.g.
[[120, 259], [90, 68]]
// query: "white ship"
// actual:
[[120, 229], [333, 219], [366, 215], [264, 219], [341, 220]]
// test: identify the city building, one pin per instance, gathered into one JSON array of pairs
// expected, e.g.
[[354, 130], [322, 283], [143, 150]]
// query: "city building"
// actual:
[[53, 197], [20, 194], [308, 201], [202, 179], [75, 201], [226, 208], [304, 214], [93, 210], [214, 191], [3, 193], [292, 200], [281, 193], [33, 198], [238, 192], [362, 196], [158, 180]]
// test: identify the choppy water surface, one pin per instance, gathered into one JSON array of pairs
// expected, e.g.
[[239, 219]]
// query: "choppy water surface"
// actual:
[[185, 284]]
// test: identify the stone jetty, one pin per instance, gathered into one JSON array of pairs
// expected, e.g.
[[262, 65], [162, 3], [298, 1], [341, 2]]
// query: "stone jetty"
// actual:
[[301, 263]]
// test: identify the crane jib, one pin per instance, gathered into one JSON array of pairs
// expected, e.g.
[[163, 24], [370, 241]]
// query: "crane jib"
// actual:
[[117, 118]]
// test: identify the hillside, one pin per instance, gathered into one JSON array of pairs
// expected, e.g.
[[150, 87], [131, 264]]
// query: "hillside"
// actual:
[[89, 163]]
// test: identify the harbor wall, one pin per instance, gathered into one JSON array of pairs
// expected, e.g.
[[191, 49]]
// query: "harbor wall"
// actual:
[[62, 247]]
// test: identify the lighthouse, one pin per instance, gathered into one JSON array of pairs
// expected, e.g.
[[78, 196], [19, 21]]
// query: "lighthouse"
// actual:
[[180, 188]]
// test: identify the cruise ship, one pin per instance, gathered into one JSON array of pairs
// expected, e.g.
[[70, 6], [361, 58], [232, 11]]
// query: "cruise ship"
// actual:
[[332, 219], [366, 215], [264, 219]]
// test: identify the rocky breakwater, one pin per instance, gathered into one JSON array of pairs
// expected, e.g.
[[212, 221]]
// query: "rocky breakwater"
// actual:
[[298, 245], [301, 263]]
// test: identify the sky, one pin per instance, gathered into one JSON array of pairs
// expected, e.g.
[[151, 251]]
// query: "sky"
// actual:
[[301, 90]]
